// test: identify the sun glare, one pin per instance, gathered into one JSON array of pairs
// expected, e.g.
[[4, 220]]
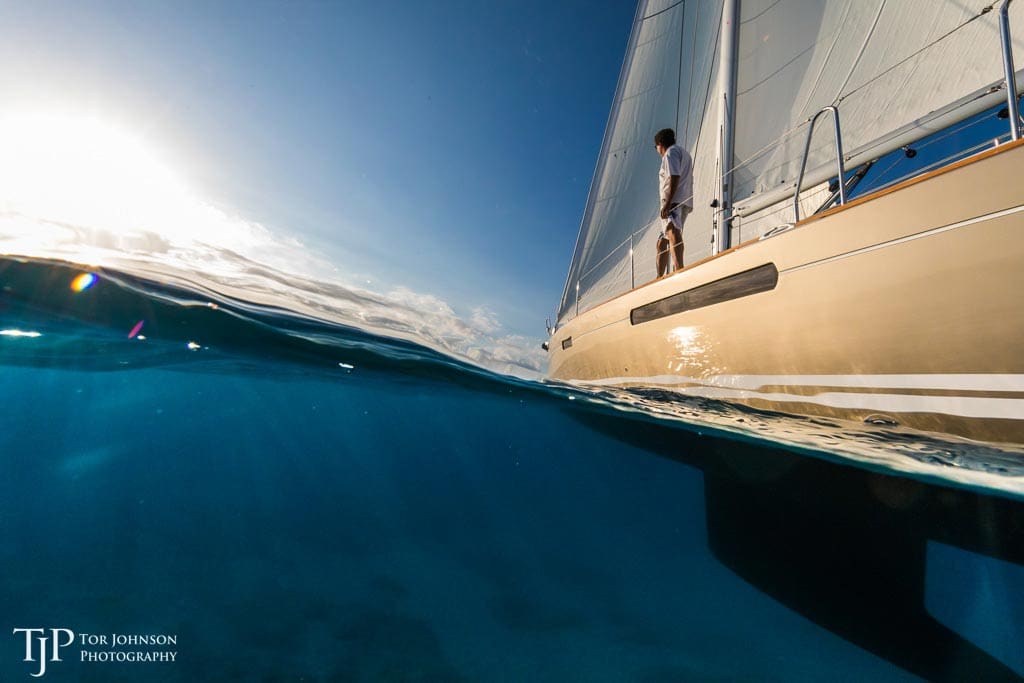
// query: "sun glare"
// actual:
[[74, 168], [83, 282], [107, 184]]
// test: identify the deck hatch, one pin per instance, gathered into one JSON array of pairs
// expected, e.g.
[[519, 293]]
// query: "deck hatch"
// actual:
[[566, 343], [753, 281]]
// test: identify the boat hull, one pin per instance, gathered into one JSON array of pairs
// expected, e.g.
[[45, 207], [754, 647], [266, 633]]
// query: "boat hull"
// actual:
[[902, 307]]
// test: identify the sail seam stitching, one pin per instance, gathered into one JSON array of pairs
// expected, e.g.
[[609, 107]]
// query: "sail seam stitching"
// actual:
[[672, 6]]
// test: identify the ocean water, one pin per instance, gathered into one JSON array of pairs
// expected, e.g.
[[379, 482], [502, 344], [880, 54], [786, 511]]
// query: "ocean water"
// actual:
[[283, 492]]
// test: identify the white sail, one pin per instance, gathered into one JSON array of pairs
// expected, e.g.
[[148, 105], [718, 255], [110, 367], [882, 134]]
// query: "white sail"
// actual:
[[887, 64], [894, 68], [916, 279], [666, 82]]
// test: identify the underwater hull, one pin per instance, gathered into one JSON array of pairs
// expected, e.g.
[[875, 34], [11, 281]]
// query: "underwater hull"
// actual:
[[901, 307]]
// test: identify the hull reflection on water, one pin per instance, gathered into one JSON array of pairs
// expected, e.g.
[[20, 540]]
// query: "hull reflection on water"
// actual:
[[847, 548]]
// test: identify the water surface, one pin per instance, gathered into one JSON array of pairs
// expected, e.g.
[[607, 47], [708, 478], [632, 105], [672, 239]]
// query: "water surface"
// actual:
[[301, 486]]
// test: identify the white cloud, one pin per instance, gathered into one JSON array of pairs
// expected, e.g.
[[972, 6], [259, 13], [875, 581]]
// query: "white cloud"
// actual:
[[274, 272], [84, 191], [484, 320]]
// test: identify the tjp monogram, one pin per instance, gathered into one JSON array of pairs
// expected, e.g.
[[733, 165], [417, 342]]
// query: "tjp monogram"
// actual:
[[37, 643]]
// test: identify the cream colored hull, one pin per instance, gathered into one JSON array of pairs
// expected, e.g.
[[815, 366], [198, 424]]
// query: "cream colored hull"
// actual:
[[907, 305]]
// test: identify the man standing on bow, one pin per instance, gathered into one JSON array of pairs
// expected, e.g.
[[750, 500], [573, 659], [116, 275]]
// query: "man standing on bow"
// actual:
[[676, 192]]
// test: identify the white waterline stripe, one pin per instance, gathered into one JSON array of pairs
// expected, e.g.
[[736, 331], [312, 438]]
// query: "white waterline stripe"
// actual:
[[909, 238], [960, 406], [993, 382], [990, 408]]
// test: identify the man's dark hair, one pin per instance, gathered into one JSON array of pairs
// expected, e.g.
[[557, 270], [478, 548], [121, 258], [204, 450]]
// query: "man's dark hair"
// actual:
[[666, 137]]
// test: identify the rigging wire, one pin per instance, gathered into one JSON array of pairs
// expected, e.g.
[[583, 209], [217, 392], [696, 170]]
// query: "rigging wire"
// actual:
[[960, 154], [948, 132], [787, 135], [863, 48], [935, 164], [984, 10]]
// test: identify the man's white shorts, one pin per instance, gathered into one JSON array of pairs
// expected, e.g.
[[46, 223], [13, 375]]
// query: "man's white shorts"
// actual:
[[676, 217]]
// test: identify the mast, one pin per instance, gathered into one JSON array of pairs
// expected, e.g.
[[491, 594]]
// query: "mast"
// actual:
[[1010, 74], [727, 116]]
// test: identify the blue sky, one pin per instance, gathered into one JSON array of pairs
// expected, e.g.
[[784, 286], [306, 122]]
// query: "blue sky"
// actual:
[[446, 146]]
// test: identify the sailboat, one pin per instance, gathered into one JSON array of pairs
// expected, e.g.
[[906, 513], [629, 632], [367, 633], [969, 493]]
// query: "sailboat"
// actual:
[[807, 290]]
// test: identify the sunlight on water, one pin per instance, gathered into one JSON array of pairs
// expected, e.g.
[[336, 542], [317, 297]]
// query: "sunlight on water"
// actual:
[[318, 322], [924, 455]]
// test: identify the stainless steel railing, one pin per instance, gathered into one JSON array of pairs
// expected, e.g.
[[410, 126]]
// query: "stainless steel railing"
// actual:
[[1009, 74], [839, 158], [1012, 104], [1016, 133]]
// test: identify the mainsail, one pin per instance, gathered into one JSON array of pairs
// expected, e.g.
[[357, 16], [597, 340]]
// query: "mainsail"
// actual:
[[888, 65], [896, 69]]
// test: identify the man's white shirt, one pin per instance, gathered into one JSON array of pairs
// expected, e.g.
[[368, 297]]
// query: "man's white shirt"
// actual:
[[677, 162]]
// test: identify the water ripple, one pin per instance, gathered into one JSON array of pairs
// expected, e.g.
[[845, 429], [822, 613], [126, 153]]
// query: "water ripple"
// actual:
[[250, 318]]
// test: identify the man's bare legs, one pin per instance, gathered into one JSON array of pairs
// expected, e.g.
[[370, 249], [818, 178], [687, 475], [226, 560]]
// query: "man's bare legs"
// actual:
[[669, 242], [675, 236], [662, 255]]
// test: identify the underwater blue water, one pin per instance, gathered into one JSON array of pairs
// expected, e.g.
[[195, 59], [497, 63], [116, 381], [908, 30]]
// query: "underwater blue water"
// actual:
[[407, 517]]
